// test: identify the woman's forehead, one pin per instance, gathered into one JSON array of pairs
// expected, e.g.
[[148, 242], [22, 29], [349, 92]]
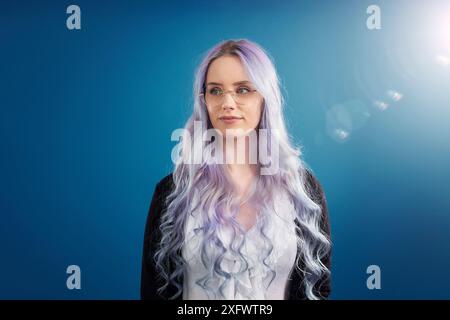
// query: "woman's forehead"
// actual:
[[226, 70]]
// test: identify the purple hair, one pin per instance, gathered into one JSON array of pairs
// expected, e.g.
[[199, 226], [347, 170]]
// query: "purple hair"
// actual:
[[207, 187]]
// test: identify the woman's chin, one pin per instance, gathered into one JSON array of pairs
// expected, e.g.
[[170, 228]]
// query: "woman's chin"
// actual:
[[231, 131]]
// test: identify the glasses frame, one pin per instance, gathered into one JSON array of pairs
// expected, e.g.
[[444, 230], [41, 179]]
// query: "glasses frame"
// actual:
[[232, 93]]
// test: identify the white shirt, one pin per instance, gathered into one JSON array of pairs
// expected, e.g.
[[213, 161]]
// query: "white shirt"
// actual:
[[252, 283]]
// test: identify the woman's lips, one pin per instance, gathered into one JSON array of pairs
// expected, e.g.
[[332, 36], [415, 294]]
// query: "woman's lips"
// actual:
[[230, 119]]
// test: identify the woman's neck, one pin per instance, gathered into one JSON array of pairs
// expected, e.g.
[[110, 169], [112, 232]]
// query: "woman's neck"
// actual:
[[242, 173]]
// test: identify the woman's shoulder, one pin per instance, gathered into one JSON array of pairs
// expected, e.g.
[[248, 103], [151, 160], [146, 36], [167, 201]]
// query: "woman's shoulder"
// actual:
[[313, 185], [162, 190], [317, 194], [165, 184]]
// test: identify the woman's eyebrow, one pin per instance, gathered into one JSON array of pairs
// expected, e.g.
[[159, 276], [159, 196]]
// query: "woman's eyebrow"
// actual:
[[234, 84]]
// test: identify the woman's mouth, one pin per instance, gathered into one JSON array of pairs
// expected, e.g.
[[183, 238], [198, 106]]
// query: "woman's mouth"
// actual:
[[230, 119]]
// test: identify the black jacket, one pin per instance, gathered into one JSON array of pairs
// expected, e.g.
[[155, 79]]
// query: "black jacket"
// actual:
[[150, 282]]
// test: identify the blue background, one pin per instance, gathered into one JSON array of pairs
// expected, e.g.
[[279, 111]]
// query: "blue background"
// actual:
[[86, 118]]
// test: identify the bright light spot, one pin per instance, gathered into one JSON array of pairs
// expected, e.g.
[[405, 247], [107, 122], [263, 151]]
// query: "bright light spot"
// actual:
[[381, 105], [439, 27], [343, 118], [394, 95], [442, 60], [341, 134]]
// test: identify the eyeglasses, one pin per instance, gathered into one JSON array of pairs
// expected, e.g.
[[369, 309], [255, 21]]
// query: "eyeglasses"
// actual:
[[215, 96]]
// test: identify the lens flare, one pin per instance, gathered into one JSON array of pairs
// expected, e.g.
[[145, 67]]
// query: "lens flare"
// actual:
[[442, 60], [381, 105], [395, 95], [342, 119]]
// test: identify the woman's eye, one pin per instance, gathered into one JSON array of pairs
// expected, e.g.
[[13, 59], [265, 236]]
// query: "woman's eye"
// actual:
[[215, 91], [243, 90]]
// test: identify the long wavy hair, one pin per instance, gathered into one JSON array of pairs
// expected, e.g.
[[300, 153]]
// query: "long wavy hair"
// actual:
[[208, 188]]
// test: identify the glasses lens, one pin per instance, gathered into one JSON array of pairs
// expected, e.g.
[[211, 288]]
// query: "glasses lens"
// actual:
[[215, 98]]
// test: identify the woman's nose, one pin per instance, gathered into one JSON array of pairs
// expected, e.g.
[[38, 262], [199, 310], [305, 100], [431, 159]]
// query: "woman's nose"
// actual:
[[228, 101]]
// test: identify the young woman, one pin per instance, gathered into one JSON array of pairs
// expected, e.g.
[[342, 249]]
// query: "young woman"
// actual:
[[220, 228]]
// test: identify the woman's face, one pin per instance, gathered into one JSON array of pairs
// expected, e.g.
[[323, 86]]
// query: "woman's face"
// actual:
[[226, 76]]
